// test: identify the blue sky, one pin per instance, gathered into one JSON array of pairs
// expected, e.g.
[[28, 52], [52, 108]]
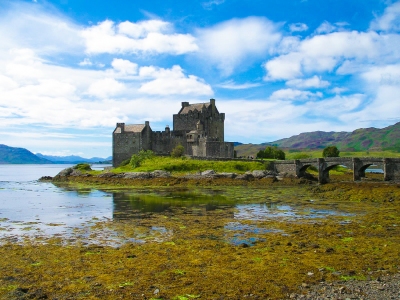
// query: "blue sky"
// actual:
[[71, 69]]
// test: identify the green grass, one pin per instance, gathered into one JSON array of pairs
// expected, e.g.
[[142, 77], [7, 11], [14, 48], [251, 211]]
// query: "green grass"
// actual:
[[186, 165]]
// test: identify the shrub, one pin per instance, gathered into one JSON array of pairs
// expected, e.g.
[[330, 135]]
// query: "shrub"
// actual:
[[137, 159], [271, 152], [82, 167], [178, 151], [125, 162], [331, 151]]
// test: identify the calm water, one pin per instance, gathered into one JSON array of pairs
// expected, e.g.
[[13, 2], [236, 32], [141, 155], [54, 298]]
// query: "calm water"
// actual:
[[33, 209]]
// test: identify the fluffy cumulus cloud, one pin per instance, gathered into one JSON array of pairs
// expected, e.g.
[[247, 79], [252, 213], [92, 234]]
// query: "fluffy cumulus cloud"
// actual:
[[322, 53], [124, 66], [152, 36], [229, 44], [172, 82]]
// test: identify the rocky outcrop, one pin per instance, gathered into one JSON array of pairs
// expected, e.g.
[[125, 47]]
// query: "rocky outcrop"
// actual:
[[208, 174]]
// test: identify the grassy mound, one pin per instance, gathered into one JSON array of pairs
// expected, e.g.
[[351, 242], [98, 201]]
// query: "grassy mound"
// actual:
[[186, 165]]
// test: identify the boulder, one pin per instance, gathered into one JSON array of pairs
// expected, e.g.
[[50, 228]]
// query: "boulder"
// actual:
[[226, 175], [259, 174], [137, 175], [107, 175], [245, 176], [160, 174], [208, 173], [65, 172]]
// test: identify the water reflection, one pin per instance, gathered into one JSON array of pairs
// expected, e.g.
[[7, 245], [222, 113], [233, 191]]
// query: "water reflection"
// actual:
[[139, 204]]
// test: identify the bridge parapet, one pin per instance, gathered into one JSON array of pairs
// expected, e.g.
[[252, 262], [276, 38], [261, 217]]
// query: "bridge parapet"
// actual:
[[390, 166]]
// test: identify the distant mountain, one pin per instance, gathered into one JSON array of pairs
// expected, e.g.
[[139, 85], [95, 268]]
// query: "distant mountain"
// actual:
[[12, 155], [363, 139], [73, 159]]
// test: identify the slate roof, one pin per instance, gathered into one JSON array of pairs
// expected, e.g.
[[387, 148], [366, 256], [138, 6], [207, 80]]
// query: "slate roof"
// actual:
[[192, 107], [131, 128]]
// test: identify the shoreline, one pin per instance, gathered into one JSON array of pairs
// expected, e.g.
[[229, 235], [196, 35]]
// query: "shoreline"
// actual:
[[352, 254]]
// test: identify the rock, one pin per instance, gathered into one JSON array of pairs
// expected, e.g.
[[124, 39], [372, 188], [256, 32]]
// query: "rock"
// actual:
[[160, 174], [137, 175], [226, 175], [259, 174], [208, 173], [107, 175], [246, 176], [46, 178], [65, 172]]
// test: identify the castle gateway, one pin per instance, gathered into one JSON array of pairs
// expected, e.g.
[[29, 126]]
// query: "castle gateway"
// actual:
[[199, 128]]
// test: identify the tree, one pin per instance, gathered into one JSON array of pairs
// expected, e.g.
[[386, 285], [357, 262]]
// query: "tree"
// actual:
[[178, 151], [272, 153], [331, 151]]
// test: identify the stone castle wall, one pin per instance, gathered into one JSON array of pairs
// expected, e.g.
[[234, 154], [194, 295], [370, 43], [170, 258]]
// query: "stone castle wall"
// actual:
[[199, 128]]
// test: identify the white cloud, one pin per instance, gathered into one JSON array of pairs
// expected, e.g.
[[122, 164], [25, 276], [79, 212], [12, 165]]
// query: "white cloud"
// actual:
[[298, 27], [338, 90], [124, 66], [313, 82], [383, 75], [231, 85], [106, 87], [86, 62], [28, 25], [294, 95], [284, 67], [232, 43], [325, 27], [322, 53], [6, 83], [390, 20], [172, 82], [210, 4], [140, 37]]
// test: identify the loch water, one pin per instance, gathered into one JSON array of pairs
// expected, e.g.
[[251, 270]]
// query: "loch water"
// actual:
[[31, 209]]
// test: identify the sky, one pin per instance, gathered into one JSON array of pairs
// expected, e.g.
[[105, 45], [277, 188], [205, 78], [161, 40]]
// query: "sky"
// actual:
[[71, 69]]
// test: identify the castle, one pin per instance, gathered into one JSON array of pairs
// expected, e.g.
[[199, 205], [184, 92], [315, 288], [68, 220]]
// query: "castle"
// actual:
[[199, 128]]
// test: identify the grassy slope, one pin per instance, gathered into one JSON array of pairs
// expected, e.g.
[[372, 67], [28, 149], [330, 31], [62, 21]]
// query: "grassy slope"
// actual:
[[183, 166]]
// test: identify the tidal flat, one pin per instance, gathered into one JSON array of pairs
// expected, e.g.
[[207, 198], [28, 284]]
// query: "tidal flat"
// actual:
[[183, 239]]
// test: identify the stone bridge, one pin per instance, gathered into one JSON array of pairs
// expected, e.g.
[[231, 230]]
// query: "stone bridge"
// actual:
[[298, 167]]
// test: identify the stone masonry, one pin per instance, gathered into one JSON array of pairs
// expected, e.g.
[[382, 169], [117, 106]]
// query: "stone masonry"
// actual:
[[199, 128]]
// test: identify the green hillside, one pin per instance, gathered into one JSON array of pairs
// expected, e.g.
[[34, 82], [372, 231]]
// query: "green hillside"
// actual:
[[364, 139], [12, 155]]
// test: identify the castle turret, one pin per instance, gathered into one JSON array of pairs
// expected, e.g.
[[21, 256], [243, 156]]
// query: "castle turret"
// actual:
[[212, 102]]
